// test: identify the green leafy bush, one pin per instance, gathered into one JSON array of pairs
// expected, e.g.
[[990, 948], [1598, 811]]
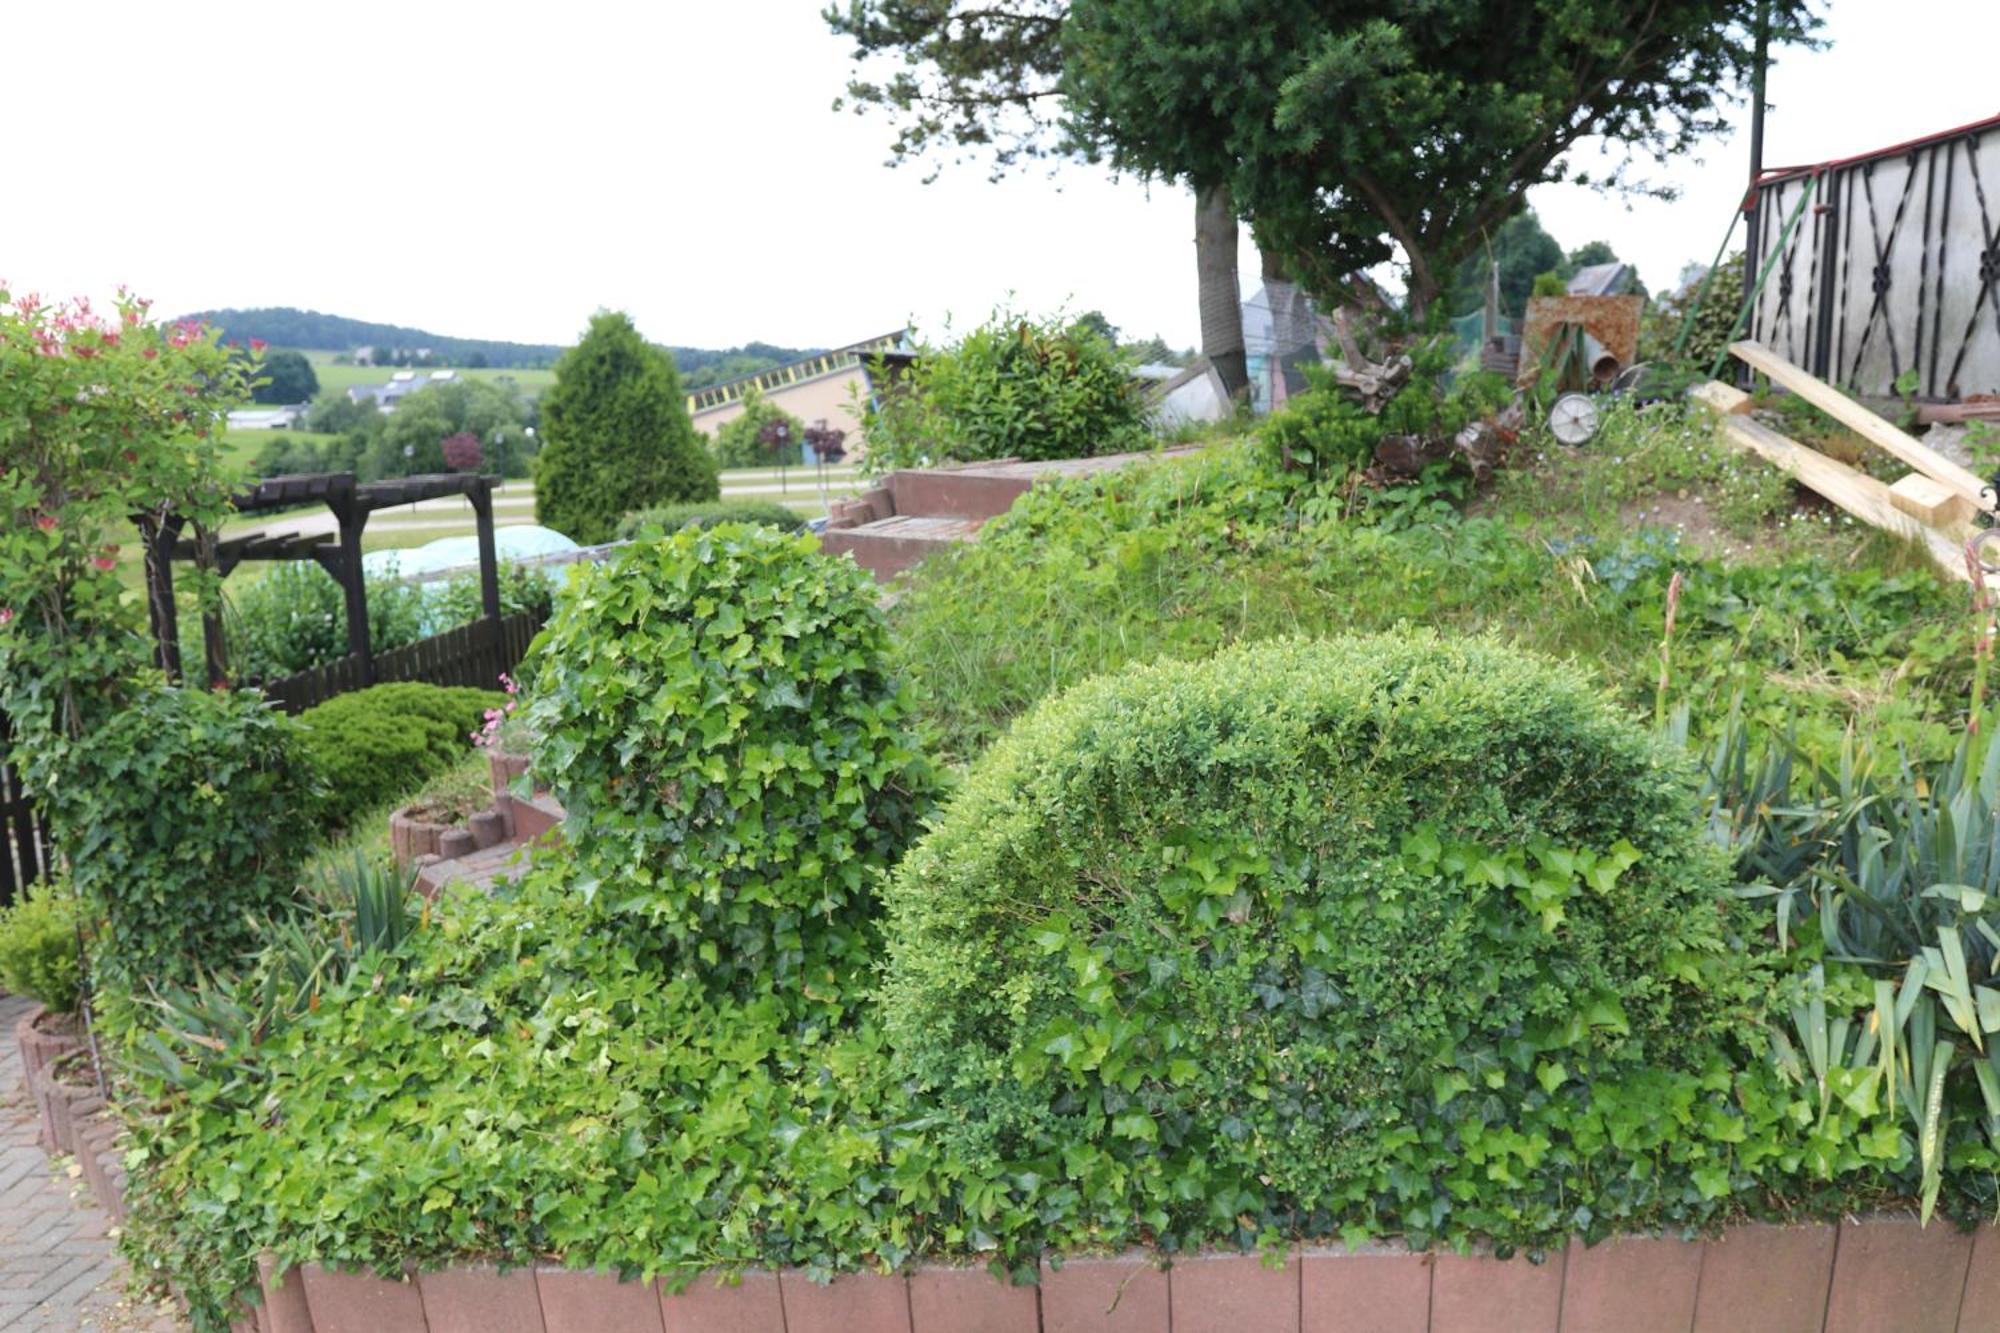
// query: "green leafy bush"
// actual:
[[740, 442], [1308, 925], [616, 435], [294, 618], [715, 714], [188, 806], [1012, 388], [1327, 434], [457, 601], [672, 518], [38, 947], [377, 744]]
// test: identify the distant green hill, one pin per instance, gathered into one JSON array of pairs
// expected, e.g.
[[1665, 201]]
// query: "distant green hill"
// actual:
[[309, 330]]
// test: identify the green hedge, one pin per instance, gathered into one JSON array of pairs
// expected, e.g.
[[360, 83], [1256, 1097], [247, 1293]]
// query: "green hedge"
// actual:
[[706, 514], [377, 744], [1266, 932]]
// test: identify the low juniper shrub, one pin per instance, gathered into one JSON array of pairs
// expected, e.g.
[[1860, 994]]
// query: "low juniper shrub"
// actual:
[[373, 746]]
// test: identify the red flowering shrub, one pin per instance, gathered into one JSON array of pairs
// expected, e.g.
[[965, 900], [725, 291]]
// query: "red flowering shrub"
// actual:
[[462, 452]]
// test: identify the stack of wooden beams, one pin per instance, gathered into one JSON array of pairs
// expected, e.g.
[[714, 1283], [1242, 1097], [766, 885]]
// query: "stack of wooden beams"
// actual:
[[1935, 506]]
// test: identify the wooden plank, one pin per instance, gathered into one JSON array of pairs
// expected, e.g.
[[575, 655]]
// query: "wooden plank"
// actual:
[[1856, 492], [1725, 400], [1862, 422], [1934, 503]]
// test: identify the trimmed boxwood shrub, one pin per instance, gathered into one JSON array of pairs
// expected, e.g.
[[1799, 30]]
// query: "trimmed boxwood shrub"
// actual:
[[672, 518], [1313, 928], [386, 741], [183, 812], [714, 713]]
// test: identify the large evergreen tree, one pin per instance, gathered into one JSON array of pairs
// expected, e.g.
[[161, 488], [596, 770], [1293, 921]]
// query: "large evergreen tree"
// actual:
[[616, 435], [1352, 133]]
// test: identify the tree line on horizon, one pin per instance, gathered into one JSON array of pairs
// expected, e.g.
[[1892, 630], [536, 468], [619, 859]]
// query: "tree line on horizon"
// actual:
[[311, 330]]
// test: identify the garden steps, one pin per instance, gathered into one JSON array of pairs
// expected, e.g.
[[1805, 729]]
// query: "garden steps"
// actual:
[[916, 512], [497, 843]]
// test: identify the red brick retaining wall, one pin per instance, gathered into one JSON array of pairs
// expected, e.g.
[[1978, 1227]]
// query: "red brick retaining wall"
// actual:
[[1883, 1274]]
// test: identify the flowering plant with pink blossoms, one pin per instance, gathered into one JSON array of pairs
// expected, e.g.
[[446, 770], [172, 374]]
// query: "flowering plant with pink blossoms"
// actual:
[[104, 419]]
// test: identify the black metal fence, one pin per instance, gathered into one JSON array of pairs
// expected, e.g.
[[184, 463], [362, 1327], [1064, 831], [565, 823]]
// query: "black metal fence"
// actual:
[[24, 840], [474, 654], [1894, 273]]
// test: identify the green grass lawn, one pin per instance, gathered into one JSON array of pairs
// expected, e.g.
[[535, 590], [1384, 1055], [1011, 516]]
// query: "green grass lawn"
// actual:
[[532, 383], [241, 446]]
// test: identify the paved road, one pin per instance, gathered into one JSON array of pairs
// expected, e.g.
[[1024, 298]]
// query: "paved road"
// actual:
[[58, 1270]]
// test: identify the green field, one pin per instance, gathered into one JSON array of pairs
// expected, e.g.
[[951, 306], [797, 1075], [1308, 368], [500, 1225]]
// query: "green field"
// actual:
[[532, 383], [240, 446]]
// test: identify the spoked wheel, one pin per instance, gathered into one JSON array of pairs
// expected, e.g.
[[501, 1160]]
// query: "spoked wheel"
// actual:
[[1574, 419]]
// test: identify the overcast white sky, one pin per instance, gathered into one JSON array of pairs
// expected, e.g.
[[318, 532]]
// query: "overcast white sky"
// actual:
[[500, 170]]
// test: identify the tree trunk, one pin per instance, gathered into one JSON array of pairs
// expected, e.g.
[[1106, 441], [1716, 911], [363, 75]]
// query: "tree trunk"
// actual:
[[1221, 298]]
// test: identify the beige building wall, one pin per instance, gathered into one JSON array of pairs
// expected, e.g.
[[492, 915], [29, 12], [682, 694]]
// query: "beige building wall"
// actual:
[[830, 397]]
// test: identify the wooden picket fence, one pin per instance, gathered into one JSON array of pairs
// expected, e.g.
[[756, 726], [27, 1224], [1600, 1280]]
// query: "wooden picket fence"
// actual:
[[24, 840], [474, 654]]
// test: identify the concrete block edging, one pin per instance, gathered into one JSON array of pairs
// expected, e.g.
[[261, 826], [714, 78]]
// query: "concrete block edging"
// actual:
[[1831, 1278]]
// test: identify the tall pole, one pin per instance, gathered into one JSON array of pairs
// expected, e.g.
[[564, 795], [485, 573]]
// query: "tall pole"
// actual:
[[1759, 68]]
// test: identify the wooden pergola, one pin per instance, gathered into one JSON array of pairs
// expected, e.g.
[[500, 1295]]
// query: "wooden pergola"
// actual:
[[337, 552]]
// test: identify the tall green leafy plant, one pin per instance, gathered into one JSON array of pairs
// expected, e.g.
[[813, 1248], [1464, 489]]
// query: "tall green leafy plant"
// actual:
[[616, 435], [716, 714], [102, 419], [184, 811]]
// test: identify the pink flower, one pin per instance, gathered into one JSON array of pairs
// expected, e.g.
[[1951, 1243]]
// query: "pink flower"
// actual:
[[6, 616], [46, 522], [258, 344], [151, 353], [103, 562]]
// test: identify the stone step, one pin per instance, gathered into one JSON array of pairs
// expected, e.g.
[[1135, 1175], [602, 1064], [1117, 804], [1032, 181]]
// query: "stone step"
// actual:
[[971, 492], [888, 546], [507, 860]]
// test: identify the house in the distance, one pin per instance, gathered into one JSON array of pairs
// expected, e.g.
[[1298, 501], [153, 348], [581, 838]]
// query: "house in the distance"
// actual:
[[400, 386], [817, 388]]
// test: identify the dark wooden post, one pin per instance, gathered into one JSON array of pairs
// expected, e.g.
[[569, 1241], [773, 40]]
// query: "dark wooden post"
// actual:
[[211, 616], [158, 537], [481, 496], [352, 518]]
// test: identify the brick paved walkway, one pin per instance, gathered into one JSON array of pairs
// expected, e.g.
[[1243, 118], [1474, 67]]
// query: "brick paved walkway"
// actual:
[[58, 1269]]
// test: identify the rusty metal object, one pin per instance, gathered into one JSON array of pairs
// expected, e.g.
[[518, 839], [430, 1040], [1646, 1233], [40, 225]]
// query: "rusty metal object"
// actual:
[[1612, 320]]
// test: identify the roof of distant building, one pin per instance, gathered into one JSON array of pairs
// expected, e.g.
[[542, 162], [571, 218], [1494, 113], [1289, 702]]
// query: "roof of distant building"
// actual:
[[1599, 279]]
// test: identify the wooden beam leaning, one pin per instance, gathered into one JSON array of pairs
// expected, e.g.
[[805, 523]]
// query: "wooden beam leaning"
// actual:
[[1858, 493], [1864, 423]]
